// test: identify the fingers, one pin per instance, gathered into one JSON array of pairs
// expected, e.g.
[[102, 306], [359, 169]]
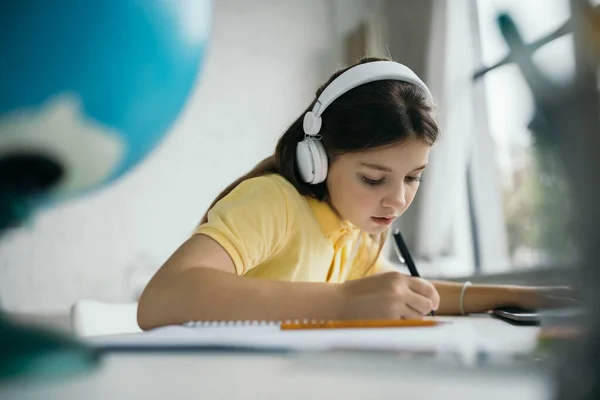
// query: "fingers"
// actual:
[[426, 290], [408, 312], [392, 295], [555, 297], [565, 292], [550, 301], [419, 303]]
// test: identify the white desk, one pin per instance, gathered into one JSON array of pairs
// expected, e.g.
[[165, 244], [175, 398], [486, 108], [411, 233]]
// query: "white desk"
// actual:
[[331, 375]]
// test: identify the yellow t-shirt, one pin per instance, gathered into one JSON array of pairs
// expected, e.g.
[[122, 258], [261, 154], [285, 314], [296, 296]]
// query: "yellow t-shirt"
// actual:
[[271, 231]]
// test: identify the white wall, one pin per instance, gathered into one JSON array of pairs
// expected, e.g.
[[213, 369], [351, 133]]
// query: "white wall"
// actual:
[[265, 60]]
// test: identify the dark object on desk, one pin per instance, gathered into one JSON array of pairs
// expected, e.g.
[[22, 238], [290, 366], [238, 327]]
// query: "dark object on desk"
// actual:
[[36, 353], [517, 316], [405, 257]]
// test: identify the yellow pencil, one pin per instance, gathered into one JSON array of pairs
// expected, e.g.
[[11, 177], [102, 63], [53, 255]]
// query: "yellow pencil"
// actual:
[[371, 323]]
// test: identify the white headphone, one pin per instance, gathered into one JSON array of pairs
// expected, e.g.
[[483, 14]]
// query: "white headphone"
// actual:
[[311, 159]]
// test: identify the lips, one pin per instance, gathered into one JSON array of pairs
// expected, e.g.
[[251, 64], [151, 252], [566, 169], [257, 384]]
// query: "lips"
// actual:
[[383, 220]]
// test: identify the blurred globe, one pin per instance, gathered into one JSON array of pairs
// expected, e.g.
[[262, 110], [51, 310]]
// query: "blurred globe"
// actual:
[[88, 88]]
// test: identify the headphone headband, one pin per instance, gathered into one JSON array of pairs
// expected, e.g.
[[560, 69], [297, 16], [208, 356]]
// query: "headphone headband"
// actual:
[[311, 158], [356, 76]]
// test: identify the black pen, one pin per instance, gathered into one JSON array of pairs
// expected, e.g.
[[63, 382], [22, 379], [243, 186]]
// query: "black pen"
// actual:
[[406, 257]]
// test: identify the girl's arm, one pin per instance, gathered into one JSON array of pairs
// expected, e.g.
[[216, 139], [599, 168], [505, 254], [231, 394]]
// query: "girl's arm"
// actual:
[[198, 282], [480, 298]]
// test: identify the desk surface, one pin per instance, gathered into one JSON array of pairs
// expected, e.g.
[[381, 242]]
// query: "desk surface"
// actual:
[[350, 375]]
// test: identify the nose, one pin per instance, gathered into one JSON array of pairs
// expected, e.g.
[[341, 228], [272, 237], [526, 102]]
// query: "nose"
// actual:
[[395, 199]]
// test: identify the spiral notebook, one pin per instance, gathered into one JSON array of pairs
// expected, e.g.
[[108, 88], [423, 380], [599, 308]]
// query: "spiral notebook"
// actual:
[[269, 335]]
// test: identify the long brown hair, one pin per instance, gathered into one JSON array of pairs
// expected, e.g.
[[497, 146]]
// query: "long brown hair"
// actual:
[[373, 115]]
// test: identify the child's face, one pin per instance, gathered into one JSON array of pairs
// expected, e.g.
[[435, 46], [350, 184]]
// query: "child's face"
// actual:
[[371, 189]]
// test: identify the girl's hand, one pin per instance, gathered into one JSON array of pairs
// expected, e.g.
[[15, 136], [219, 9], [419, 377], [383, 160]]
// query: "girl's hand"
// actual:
[[388, 295], [535, 298]]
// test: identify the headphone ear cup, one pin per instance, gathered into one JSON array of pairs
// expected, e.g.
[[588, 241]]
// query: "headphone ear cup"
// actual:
[[305, 161], [320, 157], [311, 158], [311, 161]]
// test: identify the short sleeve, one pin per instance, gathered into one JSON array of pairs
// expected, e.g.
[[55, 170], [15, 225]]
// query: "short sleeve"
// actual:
[[368, 261], [250, 223]]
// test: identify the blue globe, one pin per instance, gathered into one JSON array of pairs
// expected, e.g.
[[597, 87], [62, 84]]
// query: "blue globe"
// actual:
[[87, 89], [93, 86]]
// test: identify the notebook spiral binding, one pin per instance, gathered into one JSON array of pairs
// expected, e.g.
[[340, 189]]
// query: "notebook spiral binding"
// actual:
[[218, 324]]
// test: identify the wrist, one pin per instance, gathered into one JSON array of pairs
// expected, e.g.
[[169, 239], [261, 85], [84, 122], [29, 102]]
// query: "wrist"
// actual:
[[479, 298]]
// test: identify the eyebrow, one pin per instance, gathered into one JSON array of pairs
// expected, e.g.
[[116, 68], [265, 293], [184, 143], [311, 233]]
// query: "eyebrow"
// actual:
[[386, 169], [376, 166]]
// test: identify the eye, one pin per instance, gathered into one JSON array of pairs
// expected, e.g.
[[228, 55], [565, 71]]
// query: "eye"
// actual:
[[373, 182], [413, 179]]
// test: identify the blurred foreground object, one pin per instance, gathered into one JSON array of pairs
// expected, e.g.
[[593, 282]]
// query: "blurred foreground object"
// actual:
[[567, 123], [88, 89]]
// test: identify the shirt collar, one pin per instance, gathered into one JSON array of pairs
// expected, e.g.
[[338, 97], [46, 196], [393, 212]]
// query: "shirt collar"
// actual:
[[331, 225]]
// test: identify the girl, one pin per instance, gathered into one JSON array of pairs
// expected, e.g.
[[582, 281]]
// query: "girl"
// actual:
[[299, 236]]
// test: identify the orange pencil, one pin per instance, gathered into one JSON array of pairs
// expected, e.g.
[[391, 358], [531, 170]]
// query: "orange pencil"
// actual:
[[371, 323]]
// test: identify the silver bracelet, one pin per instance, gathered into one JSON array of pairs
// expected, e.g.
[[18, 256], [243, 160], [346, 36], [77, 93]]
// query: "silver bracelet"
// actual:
[[462, 296]]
